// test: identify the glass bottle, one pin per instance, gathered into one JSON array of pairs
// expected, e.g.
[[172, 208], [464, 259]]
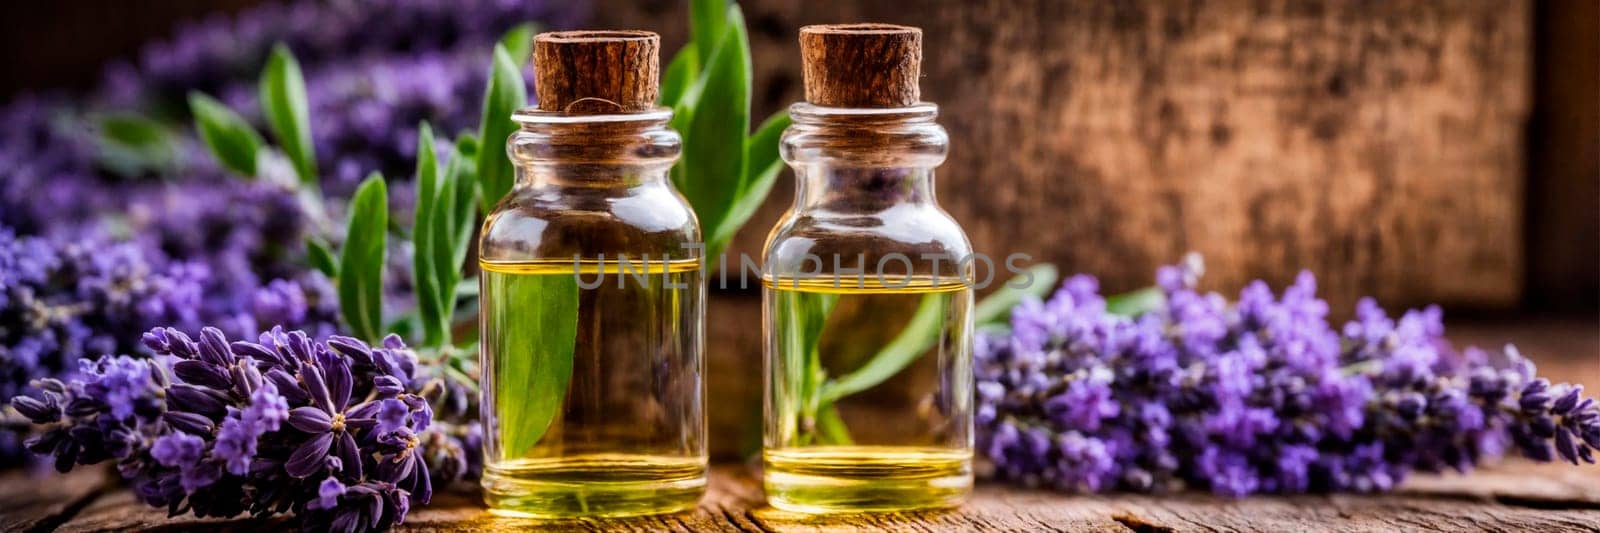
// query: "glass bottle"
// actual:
[[868, 306], [592, 324]]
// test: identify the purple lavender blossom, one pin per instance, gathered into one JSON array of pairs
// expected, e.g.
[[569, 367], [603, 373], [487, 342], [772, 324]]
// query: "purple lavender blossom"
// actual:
[[1258, 395], [212, 250], [270, 402]]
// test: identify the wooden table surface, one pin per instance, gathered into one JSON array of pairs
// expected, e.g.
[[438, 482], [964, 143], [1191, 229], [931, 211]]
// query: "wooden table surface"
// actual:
[[1512, 496]]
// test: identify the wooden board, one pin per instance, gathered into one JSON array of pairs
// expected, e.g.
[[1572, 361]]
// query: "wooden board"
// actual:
[[1379, 144], [41, 500], [1515, 496]]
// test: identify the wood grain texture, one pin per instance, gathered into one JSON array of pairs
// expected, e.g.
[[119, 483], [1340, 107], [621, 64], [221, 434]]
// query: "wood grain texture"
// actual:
[[589, 72], [1379, 144], [1515, 496], [1563, 233], [861, 65], [29, 502]]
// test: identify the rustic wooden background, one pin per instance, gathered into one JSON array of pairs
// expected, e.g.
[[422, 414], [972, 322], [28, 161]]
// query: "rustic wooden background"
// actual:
[[1385, 146], [1379, 144], [1414, 150], [1417, 151]]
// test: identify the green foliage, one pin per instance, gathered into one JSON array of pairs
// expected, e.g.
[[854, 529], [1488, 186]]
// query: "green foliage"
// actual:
[[462, 195], [424, 274], [131, 144], [441, 234], [283, 103], [1037, 282], [713, 148], [539, 324], [679, 76], [919, 335], [321, 257], [1135, 303], [724, 174], [762, 167], [229, 138], [504, 95], [361, 260], [808, 315], [518, 42]]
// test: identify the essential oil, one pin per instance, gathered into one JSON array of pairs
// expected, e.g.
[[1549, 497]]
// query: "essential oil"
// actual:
[[867, 291], [625, 436], [592, 323], [899, 444]]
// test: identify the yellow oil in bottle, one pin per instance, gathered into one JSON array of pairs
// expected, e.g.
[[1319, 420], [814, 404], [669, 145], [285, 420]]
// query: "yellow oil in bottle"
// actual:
[[869, 395], [592, 372]]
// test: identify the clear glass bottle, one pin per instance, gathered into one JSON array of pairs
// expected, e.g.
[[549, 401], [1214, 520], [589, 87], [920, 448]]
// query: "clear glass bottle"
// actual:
[[592, 324], [868, 320]]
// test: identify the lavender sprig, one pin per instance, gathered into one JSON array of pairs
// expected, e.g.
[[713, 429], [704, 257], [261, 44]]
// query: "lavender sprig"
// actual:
[[330, 431], [1260, 395]]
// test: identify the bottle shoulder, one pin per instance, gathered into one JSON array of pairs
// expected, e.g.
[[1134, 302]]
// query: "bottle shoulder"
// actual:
[[541, 223], [918, 233]]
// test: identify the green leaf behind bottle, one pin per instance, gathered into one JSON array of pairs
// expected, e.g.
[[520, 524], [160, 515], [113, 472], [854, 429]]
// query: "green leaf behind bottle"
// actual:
[[713, 162], [538, 321], [519, 42], [504, 95]]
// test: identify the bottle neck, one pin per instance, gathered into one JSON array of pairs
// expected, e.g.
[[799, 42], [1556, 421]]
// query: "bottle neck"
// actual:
[[863, 160], [593, 151]]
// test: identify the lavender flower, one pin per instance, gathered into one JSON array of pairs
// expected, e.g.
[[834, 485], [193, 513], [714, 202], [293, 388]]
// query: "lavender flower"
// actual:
[[1257, 395], [205, 249], [326, 430], [217, 52]]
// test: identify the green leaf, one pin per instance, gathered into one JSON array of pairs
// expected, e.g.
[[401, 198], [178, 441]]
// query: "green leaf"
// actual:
[[504, 95], [680, 74], [231, 140], [831, 428], [131, 144], [923, 331], [919, 335], [707, 18], [518, 42], [431, 307], [713, 146], [361, 261], [538, 324], [807, 313], [283, 103], [445, 236], [762, 168], [321, 257], [462, 174], [1135, 303], [1041, 279]]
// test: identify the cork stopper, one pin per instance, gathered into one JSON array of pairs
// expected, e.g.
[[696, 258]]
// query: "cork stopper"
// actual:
[[597, 72], [861, 65]]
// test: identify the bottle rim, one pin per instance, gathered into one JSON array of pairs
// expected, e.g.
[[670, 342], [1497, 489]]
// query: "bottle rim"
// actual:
[[533, 115], [807, 110]]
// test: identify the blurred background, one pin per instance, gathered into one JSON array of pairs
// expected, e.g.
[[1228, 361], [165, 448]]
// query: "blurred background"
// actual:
[[1416, 151]]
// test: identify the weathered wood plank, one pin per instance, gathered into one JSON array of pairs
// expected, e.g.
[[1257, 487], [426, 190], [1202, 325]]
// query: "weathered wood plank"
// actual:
[[29, 501], [1514, 496], [1377, 143], [1518, 482], [120, 510]]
